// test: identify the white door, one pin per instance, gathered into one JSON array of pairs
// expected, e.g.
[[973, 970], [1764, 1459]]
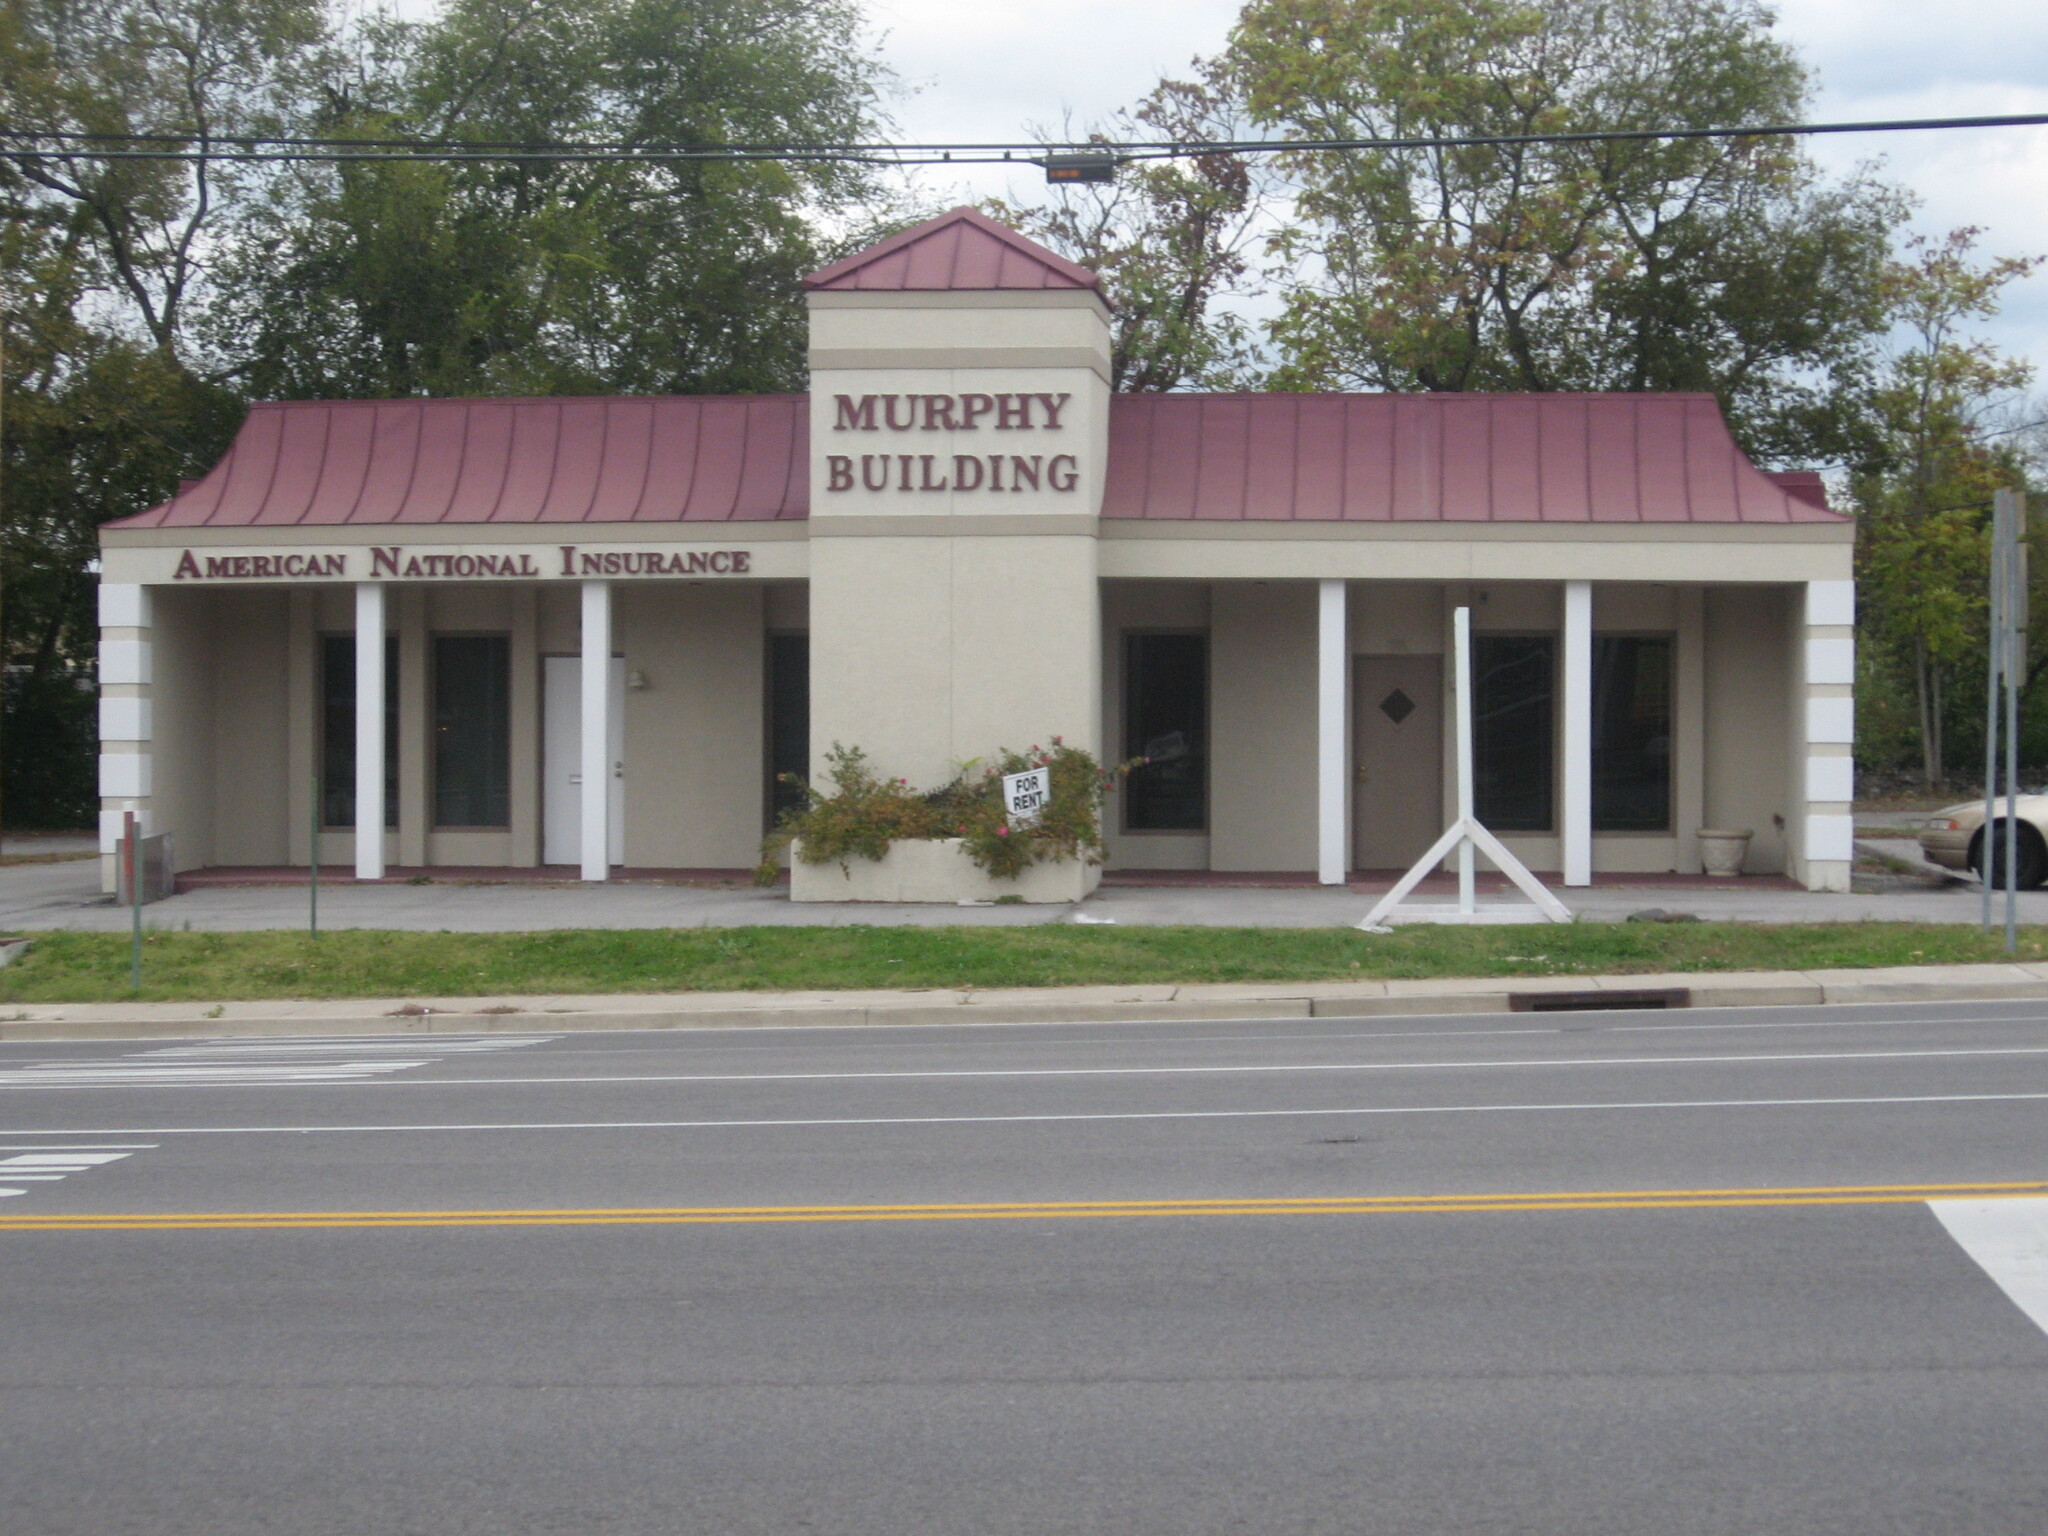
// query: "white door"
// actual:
[[561, 769]]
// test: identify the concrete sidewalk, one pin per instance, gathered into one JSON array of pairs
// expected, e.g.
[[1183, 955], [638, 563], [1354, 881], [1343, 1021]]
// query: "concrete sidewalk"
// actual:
[[1019, 1005], [40, 897]]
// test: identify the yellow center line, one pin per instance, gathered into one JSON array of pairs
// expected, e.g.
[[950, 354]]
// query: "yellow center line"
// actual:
[[1328, 1205]]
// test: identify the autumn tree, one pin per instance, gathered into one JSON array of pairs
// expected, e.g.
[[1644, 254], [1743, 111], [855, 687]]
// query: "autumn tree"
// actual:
[[1173, 240], [1729, 265], [1939, 414]]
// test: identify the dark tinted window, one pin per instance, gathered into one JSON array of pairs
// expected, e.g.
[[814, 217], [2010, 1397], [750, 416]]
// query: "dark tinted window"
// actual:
[[789, 720], [1166, 722], [1631, 734], [338, 731], [472, 731], [1511, 731]]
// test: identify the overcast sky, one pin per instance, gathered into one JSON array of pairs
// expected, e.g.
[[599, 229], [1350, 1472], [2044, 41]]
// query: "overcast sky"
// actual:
[[988, 69]]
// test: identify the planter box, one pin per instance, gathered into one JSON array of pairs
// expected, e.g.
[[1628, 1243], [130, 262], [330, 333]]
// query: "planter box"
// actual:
[[937, 870]]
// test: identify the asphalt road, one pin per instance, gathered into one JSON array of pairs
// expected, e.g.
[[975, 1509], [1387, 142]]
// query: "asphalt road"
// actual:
[[1750, 1271]]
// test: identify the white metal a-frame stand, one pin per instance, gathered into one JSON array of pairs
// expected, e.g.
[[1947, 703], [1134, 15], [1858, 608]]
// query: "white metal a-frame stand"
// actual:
[[1466, 834]]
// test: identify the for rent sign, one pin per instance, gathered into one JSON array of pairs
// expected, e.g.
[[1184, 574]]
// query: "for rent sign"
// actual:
[[1026, 795]]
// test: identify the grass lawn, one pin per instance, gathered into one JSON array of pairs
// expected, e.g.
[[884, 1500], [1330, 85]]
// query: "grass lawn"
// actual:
[[212, 967]]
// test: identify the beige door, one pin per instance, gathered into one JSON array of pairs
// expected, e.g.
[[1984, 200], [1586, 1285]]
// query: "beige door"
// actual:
[[1398, 781]]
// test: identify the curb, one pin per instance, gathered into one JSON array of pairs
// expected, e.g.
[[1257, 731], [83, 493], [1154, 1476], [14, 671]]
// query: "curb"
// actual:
[[1068, 1005]]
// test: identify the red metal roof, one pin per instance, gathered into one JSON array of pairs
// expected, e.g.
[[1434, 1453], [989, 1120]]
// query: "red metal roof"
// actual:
[[634, 459], [961, 251], [1429, 458], [1218, 458]]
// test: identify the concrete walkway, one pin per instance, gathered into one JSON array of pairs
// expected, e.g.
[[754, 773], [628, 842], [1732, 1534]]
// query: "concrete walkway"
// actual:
[[40, 897]]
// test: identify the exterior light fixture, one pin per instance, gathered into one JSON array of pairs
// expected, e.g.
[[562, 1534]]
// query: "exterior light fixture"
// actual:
[[1088, 165]]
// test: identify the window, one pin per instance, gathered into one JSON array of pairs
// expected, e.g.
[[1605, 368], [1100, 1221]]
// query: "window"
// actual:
[[338, 731], [1512, 694], [789, 720], [1631, 734], [1166, 722], [472, 731]]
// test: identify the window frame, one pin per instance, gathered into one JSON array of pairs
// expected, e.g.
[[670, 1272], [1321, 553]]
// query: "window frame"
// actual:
[[1552, 819], [394, 715], [768, 817], [1670, 828], [1124, 723], [433, 716]]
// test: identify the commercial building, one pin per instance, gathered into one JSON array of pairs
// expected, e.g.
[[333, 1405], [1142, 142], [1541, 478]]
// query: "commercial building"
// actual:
[[597, 629]]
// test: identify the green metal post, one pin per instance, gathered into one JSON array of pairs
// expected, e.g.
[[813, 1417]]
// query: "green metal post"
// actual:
[[132, 856]]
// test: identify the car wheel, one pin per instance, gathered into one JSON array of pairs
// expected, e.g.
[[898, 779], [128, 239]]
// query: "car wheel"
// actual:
[[2032, 864]]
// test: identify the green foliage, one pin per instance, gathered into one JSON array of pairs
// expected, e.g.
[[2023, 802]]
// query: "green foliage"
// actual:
[[552, 276], [1722, 265], [864, 814], [1924, 501]]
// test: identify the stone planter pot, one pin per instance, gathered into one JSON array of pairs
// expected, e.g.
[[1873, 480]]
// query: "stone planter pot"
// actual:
[[935, 870], [1722, 852]]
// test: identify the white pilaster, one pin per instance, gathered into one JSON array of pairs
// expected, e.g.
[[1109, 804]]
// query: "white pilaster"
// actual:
[[596, 727], [1827, 665], [1576, 813], [369, 730], [1332, 832], [127, 729]]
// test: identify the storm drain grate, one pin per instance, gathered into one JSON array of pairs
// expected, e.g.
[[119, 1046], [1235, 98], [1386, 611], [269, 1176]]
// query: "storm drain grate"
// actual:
[[1604, 999]]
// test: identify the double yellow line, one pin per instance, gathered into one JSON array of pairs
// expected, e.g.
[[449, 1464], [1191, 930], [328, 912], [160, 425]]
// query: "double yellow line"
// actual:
[[1056, 1210]]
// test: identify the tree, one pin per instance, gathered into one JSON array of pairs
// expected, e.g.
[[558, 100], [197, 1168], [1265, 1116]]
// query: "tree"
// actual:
[[1701, 264], [1924, 499], [1170, 239], [548, 275]]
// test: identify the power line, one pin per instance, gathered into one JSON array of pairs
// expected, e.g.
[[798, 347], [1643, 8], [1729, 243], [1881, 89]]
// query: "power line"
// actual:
[[66, 145]]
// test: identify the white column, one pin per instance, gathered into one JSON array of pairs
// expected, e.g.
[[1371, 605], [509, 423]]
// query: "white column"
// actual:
[[369, 730], [1828, 666], [1577, 811], [596, 726], [127, 730], [1332, 830]]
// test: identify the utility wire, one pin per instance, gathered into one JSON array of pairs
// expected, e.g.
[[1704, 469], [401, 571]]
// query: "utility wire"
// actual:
[[25, 144]]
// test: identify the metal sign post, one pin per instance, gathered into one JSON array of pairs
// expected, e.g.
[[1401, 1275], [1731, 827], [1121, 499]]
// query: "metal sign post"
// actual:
[[131, 859], [313, 865], [2006, 645]]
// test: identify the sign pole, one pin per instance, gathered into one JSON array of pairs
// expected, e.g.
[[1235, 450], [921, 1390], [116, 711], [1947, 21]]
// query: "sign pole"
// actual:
[[313, 865], [132, 861], [1994, 640], [2015, 671], [1461, 630]]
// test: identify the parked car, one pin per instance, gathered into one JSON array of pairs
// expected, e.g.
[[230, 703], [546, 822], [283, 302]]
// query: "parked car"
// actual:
[[1954, 839]]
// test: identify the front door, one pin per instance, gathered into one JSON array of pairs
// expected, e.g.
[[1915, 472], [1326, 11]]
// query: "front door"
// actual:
[[1398, 789], [561, 802]]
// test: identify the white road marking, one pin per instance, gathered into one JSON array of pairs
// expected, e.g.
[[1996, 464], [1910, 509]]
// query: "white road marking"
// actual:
[[343, 1045], [253, 1063], [2009, 1241], [1161, 1114], [251, 1077], [45, 1165]]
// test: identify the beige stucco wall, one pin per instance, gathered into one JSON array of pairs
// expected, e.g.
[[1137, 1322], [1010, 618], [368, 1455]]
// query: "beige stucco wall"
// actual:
[[251, 720], [928, 652], [1262, 777], [1134, 607], [182, 692], [695, 734], [1748, 692]]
